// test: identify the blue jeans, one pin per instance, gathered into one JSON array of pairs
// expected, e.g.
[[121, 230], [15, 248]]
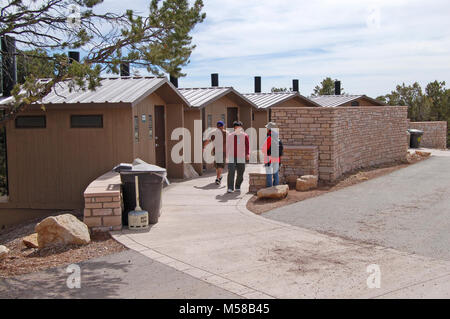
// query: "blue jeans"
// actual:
[[272, 174]]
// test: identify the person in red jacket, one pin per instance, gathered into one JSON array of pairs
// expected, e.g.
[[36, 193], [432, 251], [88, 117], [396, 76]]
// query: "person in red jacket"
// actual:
[[272, 156], [238, 152]]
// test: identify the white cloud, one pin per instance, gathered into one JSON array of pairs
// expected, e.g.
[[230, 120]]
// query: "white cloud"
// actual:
[[369, 45], [281, 40]]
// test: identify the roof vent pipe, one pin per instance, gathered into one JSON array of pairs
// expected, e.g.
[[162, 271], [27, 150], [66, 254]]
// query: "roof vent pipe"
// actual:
[[337, 88], [295, 85], [257, 84], [214, 79], [9, 71], [125, 69], [74, 56], [174, 80]]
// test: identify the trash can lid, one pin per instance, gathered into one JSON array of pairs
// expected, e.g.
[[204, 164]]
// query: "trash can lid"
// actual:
[[139, 166], [415, 131]]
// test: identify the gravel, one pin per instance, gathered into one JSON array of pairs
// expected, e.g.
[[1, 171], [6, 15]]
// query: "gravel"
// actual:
[[22, 260]]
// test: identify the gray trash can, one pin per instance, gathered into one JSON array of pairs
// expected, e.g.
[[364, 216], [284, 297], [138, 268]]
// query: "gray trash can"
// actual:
[[416, 137], [151, 180]]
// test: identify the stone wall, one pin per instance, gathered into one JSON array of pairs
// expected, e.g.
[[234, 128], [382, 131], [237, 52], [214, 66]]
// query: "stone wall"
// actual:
[[103, 203], [347, 138], [366, 137], [257, 181], [435, 133], [300, 160], [305, 126]]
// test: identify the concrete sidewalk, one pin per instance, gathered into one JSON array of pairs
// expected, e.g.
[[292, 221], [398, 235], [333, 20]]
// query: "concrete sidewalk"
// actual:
[[212, 236]]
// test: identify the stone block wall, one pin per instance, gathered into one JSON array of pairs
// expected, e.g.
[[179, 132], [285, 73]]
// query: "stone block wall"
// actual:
[[435, 133], [347, 138], [309, 126], [366, 137], [300, 160], [103, 203], [257, 181]]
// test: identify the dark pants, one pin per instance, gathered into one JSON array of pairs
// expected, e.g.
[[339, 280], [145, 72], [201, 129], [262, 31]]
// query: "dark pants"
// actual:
[[232, 168]]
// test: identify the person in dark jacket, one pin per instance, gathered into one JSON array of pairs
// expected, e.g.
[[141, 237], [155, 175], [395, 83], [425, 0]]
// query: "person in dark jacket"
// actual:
[[272, 158]]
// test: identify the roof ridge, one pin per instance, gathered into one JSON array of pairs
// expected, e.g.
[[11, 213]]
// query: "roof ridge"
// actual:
[[207, 88], [270, 93], [333, 95], [113, 78]]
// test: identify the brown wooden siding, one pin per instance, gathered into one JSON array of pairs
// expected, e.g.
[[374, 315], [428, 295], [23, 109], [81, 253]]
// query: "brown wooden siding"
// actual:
[[145, 148], [189, 117], [219, 107], [49, 168], [260, 121], [174, 119]]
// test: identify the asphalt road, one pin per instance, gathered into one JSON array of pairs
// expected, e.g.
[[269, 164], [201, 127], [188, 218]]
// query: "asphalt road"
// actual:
[[408, 210], [124, 275]]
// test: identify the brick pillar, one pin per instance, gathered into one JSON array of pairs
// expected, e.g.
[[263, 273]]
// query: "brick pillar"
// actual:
[[103, 203]]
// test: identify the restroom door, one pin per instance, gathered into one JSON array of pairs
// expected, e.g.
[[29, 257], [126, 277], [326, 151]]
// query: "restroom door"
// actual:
[[160, 136], [232, 115]]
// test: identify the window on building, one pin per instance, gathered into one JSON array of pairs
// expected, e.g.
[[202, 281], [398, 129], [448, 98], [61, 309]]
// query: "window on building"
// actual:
[[222, 117], [143, 118], [136, 128], [253, 116], [31, 121], [355, 103], [150, 126], [209, 120], [86, 121]]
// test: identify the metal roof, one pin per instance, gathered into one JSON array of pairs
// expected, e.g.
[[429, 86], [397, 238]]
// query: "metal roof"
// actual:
[[266, 100], [112, 90], [337, 100], [201, 97]]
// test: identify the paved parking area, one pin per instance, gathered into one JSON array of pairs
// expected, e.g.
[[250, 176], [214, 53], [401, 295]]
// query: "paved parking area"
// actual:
[[408, 210]]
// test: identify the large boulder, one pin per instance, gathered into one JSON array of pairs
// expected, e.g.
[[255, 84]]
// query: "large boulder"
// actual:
[[275, 192], [31, 241], [3, 251], [62, 230], [306, 183]]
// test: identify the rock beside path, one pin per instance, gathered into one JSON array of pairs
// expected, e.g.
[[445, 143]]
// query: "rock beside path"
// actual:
[[275, 192], [62, 230], [306, 183], [423, 154], [31, 241]]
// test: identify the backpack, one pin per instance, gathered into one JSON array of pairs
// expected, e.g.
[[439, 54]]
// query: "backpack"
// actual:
[[280, 149]]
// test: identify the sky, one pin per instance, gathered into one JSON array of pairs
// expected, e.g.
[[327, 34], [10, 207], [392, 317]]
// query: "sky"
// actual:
[[371, 46]]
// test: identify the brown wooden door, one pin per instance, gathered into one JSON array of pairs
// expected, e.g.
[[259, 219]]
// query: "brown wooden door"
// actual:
[[232, 115], [160, 136]]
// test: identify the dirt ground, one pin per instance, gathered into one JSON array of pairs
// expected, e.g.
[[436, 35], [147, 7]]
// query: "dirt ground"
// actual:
[[259, 206], [22, 260]]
